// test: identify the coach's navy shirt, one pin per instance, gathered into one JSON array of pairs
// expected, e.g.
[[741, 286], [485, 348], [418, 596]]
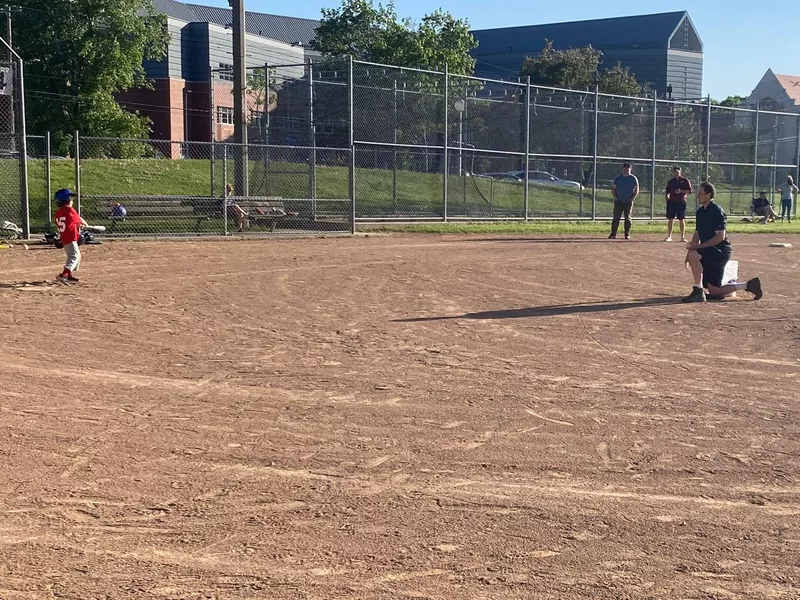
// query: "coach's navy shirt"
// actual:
[[710, 220]]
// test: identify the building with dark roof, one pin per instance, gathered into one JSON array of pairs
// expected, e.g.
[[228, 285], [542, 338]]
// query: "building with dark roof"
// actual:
[[183, 104], [662, 49]]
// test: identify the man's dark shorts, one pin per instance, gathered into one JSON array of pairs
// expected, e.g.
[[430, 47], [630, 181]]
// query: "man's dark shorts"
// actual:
[[714, 260], [676, 210]]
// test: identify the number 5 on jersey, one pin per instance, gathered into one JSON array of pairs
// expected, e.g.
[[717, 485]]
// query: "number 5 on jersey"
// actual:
[[61, 223]]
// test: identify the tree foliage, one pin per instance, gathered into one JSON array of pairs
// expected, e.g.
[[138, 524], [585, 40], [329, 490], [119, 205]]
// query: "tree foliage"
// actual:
[[579, 69], [78, 55], [730, 101], [360, 29]]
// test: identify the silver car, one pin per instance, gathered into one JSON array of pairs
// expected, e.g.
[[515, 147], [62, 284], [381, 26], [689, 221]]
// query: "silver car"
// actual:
[[545, 178], [535, 177]]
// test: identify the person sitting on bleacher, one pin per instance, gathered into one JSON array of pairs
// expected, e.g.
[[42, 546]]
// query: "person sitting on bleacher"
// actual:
[[761, 207], [236, 211]]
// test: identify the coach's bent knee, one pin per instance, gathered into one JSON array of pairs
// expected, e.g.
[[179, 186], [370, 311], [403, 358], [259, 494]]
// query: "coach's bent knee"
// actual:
[[693, 256]]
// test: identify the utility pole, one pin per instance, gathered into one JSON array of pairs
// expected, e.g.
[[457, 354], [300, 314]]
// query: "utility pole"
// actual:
[[8, 10], [241, 175]]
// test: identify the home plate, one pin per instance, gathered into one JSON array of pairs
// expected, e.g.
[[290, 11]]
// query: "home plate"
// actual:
[[780, 245]]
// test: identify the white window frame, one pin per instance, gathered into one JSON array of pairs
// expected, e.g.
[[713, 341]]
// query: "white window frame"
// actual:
[[225, 115]]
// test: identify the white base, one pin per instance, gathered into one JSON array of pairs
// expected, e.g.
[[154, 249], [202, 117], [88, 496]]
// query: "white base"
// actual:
[[731, 273]]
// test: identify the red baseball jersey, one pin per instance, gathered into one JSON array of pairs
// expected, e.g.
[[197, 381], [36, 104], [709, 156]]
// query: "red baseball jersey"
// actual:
[[68, 222]]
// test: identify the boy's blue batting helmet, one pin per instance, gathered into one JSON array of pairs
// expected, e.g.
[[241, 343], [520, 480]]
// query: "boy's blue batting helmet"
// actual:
[[63, 195]]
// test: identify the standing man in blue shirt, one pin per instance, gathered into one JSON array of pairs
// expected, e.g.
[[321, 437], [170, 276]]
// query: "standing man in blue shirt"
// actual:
[[625, 190], [709, 252]]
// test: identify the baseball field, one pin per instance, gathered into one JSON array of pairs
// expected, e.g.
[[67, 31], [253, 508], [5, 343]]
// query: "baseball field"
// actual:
[[450, 417]]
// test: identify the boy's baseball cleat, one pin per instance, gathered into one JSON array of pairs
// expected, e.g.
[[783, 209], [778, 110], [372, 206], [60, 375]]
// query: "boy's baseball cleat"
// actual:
[[697, 295], [72, 279], [754, 287], [62, 280]]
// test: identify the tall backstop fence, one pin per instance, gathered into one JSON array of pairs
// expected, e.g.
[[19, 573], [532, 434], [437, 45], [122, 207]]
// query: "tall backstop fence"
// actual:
[[337, 142], [13, 155]]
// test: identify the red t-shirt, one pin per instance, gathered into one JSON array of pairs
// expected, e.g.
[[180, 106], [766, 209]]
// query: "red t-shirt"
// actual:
[[68, 222]]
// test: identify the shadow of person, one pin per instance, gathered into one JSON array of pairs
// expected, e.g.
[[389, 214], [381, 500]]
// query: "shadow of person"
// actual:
[[550, 311]]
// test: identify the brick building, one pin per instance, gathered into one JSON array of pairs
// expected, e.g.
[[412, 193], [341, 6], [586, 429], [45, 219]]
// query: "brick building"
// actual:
[[183, 105]]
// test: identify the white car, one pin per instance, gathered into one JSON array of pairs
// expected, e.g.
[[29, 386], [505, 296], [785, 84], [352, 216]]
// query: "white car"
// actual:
[[535, 177], [545, 178]]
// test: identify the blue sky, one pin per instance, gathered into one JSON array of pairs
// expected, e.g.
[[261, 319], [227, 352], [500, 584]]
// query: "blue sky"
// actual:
[[741, 41]]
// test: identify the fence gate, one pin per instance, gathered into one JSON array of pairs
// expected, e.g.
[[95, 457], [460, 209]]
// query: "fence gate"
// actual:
[[13, 168]]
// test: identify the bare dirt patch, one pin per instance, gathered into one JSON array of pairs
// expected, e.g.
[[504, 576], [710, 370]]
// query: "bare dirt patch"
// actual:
[[449, 417]]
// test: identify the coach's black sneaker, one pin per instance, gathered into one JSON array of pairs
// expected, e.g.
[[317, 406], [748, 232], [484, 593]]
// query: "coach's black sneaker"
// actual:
[[754, 287], [697, 295]]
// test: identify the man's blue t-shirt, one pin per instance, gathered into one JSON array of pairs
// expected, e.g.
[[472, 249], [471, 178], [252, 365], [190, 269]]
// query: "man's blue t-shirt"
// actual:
[[625, 185]]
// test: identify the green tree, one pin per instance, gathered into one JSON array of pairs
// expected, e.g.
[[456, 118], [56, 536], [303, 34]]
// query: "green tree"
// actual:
[[78, 55], [578, 69], [730, 101], [360, 29]]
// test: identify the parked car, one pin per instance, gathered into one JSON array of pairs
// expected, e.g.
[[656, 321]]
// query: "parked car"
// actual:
[[513, 177], [545, 178], [535, 177]]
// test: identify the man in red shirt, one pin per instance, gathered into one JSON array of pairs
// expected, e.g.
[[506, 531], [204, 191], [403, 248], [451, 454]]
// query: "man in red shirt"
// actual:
[[69, 224], [677, 189]]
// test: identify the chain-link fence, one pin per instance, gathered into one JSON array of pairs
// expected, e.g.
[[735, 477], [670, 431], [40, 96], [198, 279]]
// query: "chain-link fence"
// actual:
[[13, 154], [137, 187], [335, 142]]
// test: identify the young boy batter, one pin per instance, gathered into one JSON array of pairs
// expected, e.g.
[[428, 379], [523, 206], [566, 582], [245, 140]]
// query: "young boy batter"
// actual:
[[69, 224]]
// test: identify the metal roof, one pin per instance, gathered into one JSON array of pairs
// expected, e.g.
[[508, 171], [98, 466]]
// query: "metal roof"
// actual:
[[642, 31], [290, 30], [285, 29], [176, 10]]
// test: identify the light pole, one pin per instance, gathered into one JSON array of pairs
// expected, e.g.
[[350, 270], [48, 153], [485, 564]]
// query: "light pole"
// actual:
[[461, 105]]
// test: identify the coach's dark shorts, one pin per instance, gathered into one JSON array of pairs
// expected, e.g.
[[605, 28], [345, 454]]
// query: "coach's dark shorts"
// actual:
[[676, 210], [714, 260]]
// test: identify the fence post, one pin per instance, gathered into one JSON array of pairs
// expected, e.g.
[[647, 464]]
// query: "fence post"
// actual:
[[655, 154], [25, 207], [266, 128], [394, 152], [212, 130], [352, 174], [708, 138], [594, 152], [225, 189], [48, 175], [526, 193], [755, 150], [797, 162], [445, 161], [78, 171], [312, 133]]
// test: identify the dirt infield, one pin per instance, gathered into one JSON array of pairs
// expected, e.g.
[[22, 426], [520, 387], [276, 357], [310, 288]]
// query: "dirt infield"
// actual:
[[449, 417]]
